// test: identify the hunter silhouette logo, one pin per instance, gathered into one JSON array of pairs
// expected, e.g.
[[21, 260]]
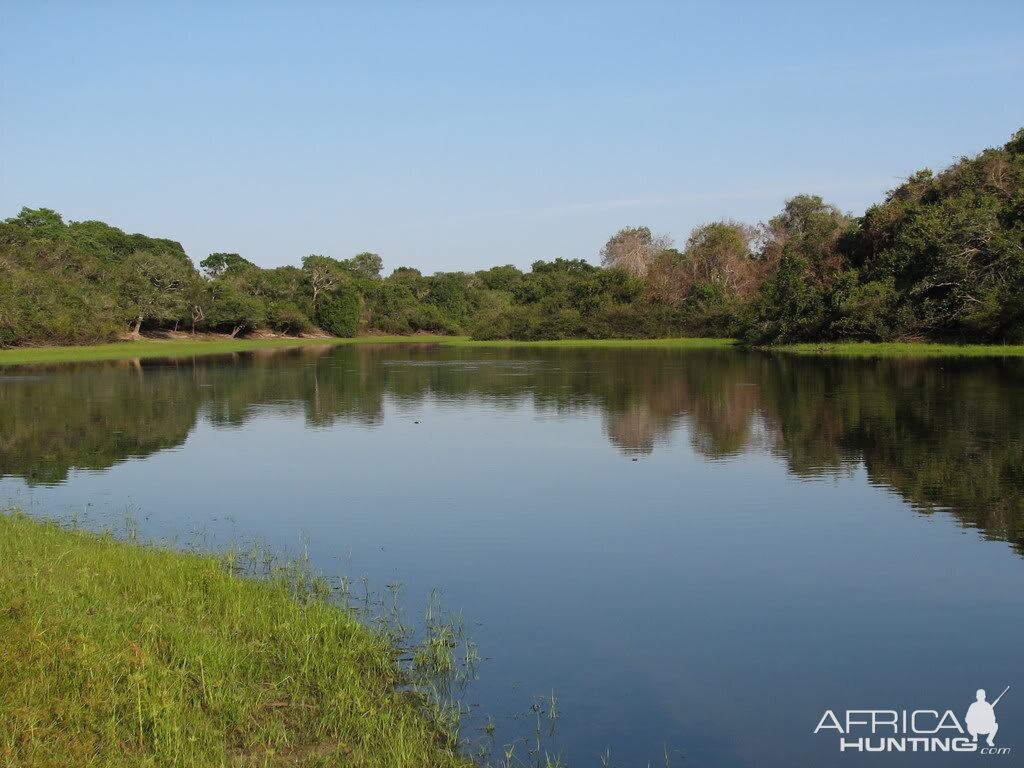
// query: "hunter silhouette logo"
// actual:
[[919, 730], [981, 717]]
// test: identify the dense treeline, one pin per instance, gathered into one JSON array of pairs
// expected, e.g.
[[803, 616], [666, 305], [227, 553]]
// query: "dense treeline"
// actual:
[[942, 258]]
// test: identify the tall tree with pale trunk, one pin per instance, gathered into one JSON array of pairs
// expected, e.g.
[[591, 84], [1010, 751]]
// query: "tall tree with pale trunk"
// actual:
[[634, 249]]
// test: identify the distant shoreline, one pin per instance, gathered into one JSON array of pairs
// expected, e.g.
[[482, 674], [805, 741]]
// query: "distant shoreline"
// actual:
[[210, 345], [901, 349], [148, 348]]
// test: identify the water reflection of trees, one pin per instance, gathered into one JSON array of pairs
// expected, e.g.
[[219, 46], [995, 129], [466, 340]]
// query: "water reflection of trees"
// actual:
[[945, 434]]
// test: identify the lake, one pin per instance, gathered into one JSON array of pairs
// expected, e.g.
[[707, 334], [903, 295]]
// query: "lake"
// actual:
[[695, 551]]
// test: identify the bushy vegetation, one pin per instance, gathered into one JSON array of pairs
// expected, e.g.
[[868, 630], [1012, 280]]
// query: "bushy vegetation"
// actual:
[[940, 259]]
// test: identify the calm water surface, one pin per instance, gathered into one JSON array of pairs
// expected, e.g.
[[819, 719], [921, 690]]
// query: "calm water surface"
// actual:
[[698, 549]]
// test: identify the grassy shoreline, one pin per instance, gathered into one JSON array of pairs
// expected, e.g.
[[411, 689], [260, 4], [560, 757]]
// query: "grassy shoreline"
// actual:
[[900, 349], [147, 348], [150, 348], [683, 342], [120, 654]]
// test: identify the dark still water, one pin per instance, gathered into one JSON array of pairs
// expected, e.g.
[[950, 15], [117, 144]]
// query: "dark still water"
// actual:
[[702, 549]]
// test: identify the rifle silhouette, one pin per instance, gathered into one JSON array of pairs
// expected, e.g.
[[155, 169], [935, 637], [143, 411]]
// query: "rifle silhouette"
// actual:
[[1000, 696]]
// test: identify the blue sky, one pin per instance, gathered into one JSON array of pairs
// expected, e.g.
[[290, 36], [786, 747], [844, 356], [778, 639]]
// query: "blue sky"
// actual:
[[448, 135]]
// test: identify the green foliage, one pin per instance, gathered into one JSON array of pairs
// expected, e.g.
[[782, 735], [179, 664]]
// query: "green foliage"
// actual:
[[450, 300], [41, 221], [941, 258], [953, 245], [60, 311], [790, 306], [864, 310], [152, 286], [288, 317], [217, 264], [365, 265], [635, 320], [339, 314], [234, 311], [711, 310], [506, 278], [390, 304], [51, 290], [431, 318]]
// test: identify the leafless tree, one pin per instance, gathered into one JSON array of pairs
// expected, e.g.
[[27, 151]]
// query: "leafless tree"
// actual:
[[720, 254], [634, 249]]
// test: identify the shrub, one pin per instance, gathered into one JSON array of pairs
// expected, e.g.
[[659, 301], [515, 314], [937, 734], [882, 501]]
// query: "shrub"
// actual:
[[285, 316], [434, 319], [339, 315]]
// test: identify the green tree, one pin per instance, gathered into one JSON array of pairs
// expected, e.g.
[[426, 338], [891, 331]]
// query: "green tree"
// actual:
[[235, 312], [218, 264], [367, 266], [339, 314], [323, 275], [152, 287], [43, 222]]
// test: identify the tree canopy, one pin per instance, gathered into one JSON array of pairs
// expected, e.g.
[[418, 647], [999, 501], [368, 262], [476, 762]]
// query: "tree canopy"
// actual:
[[940, 258]]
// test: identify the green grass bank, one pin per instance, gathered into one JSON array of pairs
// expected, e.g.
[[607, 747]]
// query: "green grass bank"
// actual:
[[177, 348], [895, 349], [189, 348], [150, 348], [119, 654], [688, 343]]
